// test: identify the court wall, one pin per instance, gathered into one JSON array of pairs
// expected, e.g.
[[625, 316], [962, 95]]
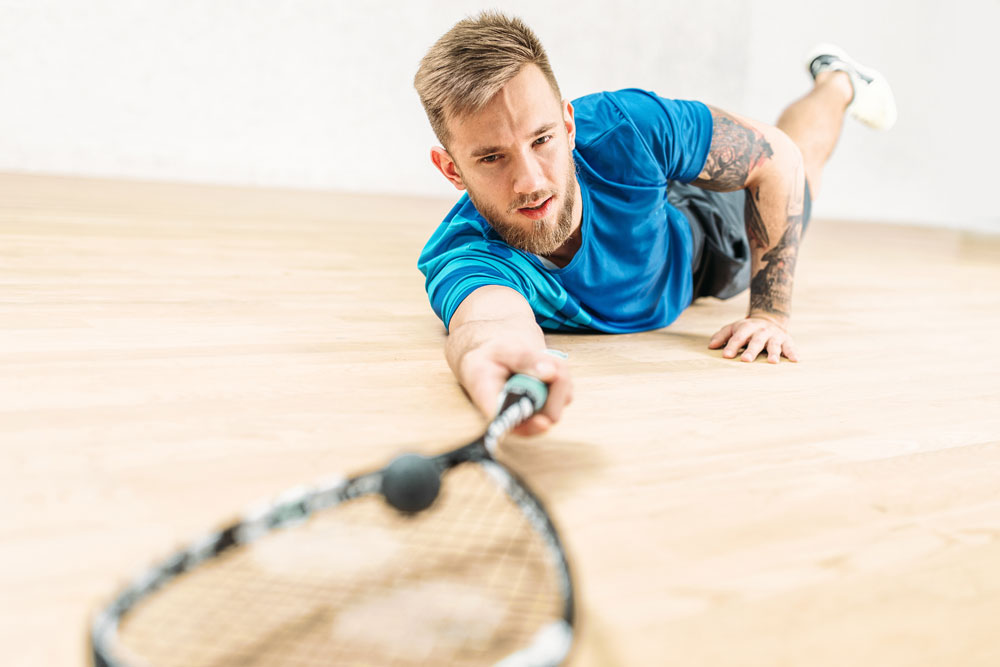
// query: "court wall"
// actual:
[[317, 94]]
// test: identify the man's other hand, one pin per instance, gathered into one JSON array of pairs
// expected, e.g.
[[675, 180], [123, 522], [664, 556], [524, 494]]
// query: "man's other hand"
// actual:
[[756, 334]]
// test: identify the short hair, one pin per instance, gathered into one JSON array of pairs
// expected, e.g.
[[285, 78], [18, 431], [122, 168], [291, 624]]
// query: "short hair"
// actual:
[[470, 63]]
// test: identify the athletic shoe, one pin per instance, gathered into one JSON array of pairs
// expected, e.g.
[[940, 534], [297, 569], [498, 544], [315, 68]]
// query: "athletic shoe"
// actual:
[[873, 102]]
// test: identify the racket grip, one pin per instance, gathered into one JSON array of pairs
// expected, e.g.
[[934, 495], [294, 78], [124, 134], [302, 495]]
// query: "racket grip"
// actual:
[[521, 385]]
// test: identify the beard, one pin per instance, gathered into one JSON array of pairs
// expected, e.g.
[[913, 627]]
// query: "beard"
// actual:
[[544, 236]]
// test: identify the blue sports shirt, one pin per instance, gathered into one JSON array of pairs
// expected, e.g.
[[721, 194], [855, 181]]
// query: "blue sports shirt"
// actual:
[[633, 269]]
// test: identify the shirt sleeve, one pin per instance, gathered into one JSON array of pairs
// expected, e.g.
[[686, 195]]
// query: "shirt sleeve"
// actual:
[[450, 282], [677, 133], [458, 260]]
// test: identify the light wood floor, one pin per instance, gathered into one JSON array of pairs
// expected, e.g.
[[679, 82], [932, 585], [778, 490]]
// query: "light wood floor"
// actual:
[[170, 353]]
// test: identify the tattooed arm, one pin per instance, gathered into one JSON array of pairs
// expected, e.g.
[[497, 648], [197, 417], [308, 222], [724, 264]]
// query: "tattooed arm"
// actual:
[[762, 160]]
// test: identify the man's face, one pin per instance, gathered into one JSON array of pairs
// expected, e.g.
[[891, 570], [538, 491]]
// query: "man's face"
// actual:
[[515, 159]]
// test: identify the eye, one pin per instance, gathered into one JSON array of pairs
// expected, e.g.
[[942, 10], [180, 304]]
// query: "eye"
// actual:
[[543, 140], [489, 159]]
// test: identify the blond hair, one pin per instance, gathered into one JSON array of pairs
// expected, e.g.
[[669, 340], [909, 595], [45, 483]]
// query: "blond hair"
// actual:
[[470, 63]]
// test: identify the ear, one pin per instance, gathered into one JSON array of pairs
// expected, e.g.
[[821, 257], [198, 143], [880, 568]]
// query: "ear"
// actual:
[[570, 120], [447, 166]]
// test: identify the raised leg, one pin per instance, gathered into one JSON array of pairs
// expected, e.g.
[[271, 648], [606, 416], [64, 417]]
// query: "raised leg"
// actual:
[[813, 122]]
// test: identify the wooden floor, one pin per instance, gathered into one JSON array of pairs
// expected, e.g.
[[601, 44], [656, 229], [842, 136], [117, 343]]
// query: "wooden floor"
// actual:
[[170, 353]]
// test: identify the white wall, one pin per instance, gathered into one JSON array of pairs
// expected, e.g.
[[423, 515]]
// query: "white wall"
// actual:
[[318, 94], [937, 165]]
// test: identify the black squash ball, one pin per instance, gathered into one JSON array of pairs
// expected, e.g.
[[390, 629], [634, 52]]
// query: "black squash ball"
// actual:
[[411, 482]]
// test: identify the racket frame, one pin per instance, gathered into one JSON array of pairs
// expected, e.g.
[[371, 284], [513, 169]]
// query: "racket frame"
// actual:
[[549, 646]]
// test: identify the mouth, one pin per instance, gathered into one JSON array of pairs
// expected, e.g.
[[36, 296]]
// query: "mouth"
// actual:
[[537, 212]]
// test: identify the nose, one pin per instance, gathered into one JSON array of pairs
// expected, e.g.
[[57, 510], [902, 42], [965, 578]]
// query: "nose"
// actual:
[[528, 175]]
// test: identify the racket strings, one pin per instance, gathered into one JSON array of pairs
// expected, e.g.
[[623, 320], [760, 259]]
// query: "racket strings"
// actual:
[[468, 581]]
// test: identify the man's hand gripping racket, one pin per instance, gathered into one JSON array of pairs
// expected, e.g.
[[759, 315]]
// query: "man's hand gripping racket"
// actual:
[[440, 560]]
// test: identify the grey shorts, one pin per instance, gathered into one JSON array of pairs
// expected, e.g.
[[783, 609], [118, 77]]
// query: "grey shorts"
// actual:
[[721, 255]]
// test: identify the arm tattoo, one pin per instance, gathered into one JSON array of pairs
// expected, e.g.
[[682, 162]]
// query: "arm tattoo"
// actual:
[[736, 150], [756, 229], [771, 288]]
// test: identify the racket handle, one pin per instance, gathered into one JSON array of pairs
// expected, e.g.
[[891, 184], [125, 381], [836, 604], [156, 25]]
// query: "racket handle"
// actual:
[[519, 386]]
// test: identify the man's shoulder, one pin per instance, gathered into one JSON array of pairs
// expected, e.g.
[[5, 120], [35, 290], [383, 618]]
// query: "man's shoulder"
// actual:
[[613, 106], [612, 99], [634, 111], [673, 135]]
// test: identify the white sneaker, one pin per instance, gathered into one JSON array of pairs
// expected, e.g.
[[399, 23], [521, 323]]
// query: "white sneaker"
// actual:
[[873, 102]]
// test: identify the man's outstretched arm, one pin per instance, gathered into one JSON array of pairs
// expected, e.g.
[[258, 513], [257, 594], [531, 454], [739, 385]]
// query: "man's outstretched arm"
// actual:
[[761, 159], [491, 336]]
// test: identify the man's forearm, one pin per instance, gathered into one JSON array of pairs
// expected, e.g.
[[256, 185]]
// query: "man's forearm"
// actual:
[[774, 210]]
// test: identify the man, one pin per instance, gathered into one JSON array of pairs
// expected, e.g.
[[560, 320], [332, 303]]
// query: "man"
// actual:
[[613, 212]]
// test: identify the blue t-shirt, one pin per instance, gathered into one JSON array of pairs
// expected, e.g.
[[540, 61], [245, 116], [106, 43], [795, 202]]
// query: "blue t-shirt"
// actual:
[[632, 271]]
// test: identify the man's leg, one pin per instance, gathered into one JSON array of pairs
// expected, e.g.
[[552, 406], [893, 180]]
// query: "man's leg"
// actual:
[[813, 122], [840, 84]]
